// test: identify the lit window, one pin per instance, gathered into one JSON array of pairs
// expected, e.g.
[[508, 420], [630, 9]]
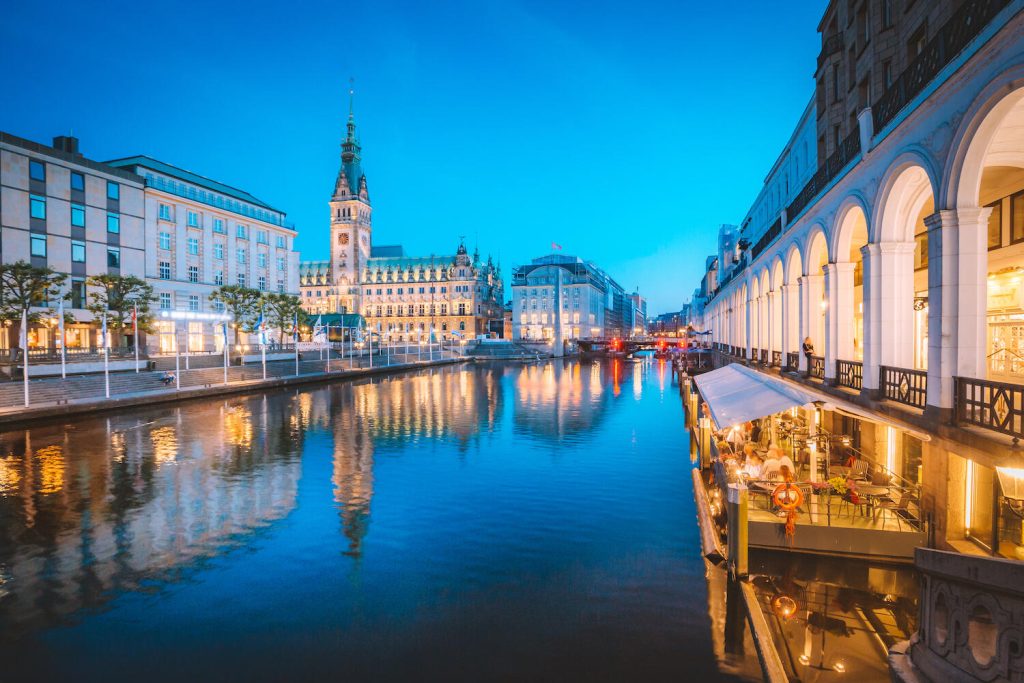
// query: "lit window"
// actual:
[[37, 206], [39, 245]]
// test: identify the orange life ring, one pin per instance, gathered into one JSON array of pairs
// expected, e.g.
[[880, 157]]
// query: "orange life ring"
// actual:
[[788, 496]]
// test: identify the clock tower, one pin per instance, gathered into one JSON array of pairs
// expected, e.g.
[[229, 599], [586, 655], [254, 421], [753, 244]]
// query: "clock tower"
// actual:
[[351, 221]]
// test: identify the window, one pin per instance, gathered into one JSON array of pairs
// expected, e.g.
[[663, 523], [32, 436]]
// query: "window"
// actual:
[[113, 191], [280, 263], [78, 215], [261, 259], [280, 286], [39, 245], [78, 294], [193, 219], [863, 26], [995, 226], [218, 251], [193, 273], [282, 242], [77, 181], [261, 283], [218, 306], [113, 257], [37, 206], [240, 279], [165, 212], [887, 73], [835, 82], [918, 40], [1017, 218], [165, 301], [165, 270], [218, 226], [193, 246], [218, 277], [77, 251], [837, 138], [113, 223], [262, 237], [240, 255], [165, 240], [921, 251], [37, 170], [193, 302], [241, 232]]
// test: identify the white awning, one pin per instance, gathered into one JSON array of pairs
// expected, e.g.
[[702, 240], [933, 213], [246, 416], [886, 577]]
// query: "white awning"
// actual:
[[737, 394]]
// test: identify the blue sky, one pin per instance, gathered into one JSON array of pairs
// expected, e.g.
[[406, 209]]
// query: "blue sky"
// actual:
[[624, 132]]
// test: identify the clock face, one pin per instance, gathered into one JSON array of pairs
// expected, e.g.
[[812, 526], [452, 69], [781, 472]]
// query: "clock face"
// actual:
[[343, 238]]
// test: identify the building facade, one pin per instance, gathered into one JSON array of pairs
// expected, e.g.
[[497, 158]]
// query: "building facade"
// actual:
[[401, 298], [567, 298], [901, 257], [201, 234], [79, 217]]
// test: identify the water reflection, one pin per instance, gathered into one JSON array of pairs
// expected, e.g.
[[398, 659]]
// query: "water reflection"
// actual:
[[402, 525]]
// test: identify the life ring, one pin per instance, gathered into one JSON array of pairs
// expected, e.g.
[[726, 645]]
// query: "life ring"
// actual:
[[788, 496]]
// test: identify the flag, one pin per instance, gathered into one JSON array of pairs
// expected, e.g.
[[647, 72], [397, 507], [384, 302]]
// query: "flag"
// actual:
[[135, 323], [225, 324], [23, 337], [556, 246], [261, 328], [60, 321], [318, 330], [295, 327], [103, 333]]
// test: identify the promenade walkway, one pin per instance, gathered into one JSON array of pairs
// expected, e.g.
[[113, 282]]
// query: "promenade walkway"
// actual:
[[52, 397]]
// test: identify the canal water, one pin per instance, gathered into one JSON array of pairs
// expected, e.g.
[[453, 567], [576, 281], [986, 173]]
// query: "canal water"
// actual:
[[467, 523]]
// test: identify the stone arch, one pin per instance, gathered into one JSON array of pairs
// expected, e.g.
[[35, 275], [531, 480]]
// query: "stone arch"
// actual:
[[849, 227], [845, 283], [906, 188], [815, 251], [793, 264], [792, 269]]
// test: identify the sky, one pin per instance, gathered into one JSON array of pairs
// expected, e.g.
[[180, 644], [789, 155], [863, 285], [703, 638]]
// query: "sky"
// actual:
[[624, 132]]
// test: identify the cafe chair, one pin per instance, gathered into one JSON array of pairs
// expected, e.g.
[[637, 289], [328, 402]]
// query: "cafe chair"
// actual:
[[898, 509]]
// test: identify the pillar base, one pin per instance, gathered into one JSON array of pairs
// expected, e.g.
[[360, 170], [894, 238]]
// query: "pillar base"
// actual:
[[938, 415]]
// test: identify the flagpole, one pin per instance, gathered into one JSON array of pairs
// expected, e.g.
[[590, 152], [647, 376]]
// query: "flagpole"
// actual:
[[328, 344], [295, 340], [24, 350], [135, 333], [177, 359], [106, 356], [63, 340], [225, 352]]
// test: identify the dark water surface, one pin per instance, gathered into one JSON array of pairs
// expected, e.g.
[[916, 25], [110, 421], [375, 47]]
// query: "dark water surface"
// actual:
[[479, 523]]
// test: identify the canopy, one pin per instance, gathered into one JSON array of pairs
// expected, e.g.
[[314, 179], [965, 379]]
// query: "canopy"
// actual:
[[736, 394]]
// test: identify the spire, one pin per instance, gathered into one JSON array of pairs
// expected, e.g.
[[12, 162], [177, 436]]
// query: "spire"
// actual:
[[351, 181]]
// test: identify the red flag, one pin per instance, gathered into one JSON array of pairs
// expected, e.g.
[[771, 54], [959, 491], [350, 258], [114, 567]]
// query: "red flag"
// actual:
[[555, 245]]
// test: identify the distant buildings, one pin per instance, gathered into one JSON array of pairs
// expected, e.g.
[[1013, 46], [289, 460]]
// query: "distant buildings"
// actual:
[[402, 298], [565, 297]]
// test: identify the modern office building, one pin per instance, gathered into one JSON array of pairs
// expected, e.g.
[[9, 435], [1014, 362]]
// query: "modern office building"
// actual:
[[79, 217], [201, 234]]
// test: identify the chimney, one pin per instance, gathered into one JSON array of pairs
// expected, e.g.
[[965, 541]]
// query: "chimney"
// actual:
[[66, 143]]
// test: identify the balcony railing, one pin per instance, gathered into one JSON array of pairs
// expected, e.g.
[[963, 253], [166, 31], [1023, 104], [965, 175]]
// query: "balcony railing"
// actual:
[[776, 359], [831, 46], [850, 374], [998, 406], [764, 357], [848, 149], [951, 39], [909, 387], [817, 367], [792, 360]]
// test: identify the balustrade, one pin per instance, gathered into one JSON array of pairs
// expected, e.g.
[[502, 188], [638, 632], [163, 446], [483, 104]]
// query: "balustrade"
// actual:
[[909, 387], [777, 359], [817, 367], [998, 406], [850, 373], [792, 360], [764, 357]]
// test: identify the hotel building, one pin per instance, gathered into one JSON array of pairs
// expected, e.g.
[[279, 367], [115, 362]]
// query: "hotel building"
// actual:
[[201, 234], [894, 239], [567, 298], [79, 217]]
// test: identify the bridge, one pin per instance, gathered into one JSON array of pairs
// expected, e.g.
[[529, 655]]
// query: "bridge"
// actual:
[[630, 346]]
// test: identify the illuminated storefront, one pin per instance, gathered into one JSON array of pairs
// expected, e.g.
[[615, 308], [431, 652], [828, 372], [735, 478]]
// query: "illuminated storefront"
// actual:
[[1006, 325]]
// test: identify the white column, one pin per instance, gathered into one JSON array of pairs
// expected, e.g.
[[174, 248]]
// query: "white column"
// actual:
[[872, 330], [773, 323], [838, 315], [745, 339], [805, 321], [957, 299], [786, 320], [896, 304]]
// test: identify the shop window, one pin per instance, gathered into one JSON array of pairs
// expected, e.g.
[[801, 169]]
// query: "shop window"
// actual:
[[978, 510], [1017, 218], [995, 226], [921, 251]]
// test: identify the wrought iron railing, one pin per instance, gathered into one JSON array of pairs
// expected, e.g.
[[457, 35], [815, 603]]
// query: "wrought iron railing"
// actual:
[[998, 406], [965, 24], [777, 359], [850, 373], [909, 387], [764, 357], [817, 367], [831, 46], [848, 149], [767, 238], [792, 360]]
